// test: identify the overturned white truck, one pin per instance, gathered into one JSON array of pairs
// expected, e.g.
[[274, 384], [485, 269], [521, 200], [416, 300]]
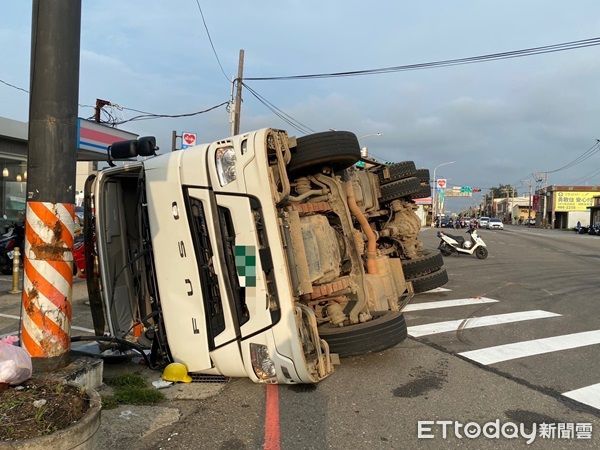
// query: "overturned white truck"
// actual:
[[259, 256]]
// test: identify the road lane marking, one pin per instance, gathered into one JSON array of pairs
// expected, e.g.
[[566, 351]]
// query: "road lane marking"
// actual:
[[477, 322], [73, 327], [448, 303], [10, 316], [499, 353], [589, 395], [272, 428], [437, 289]]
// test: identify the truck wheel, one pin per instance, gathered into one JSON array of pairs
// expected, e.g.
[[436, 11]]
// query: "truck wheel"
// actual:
[[423, 192], [423, 175], [336, 149], [481, 252], [397, 171], [430, 281], [429, 262], [385, 330], [400, 188]]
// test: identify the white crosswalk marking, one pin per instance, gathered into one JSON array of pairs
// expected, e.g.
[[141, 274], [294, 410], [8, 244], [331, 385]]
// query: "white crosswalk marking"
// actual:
[[589, 395], [507, 352], [438, 289], [477, 322], [448, 303]]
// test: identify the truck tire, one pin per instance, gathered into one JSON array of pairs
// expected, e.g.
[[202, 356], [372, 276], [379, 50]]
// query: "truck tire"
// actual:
[[336, 149], [385, 330], [423, 192], [423, 176], [430, 281], [399, 189], [428, 263], [397, 171]]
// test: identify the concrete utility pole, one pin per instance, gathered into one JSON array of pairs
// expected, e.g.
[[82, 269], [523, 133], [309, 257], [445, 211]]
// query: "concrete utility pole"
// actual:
[[174, 140], [51, 165], [237, 104], [99, 105]]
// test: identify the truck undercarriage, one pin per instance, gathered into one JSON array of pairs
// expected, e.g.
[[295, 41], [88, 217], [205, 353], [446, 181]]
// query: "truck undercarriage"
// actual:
[[348, 237]]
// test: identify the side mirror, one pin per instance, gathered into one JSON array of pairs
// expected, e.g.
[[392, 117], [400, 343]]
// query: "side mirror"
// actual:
[[123, 150], [144, 146]]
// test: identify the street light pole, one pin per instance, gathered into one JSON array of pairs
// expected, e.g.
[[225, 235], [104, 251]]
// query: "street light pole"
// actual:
[[379, 133], [364, 152], [434, 190]]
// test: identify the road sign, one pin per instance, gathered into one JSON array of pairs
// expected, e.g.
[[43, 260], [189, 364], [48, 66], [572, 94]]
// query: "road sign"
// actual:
[[188, 139], [441, 183]]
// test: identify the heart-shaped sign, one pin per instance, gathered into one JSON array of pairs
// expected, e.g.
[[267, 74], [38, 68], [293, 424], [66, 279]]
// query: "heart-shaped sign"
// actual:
[[189, 138]]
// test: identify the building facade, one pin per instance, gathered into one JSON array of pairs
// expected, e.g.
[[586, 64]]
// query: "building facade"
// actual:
[[93, 142], [564, 206]]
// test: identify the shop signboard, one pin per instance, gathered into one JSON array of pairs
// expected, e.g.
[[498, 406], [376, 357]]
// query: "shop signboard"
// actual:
[[565, 201]]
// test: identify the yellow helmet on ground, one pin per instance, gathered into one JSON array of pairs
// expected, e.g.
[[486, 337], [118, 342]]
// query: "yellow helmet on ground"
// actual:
[[176, 372]]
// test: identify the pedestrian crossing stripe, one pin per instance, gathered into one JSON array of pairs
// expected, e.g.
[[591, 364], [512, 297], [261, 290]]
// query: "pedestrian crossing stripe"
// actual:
[[245, 263], [448, 303], [477, 322], [589, 395], [436, 290], [507, 352]]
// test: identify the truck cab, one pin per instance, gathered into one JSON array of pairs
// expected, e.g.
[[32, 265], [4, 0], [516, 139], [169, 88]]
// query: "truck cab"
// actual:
[[260, 255]]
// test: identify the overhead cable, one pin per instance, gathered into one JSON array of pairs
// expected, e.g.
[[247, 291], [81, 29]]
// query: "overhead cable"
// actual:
[[585, 155], [294, 123], [210, 40], [443, 63], [150, 116]]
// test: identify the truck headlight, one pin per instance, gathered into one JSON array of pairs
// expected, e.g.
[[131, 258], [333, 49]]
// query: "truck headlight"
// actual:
[[263, 365], [225, 162]]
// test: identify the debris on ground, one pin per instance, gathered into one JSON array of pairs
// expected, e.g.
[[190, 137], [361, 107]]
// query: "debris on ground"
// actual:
[[39, 407]]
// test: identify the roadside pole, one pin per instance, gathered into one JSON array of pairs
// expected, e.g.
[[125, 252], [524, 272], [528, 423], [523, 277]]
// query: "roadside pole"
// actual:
[[51, 165], [237, 105]]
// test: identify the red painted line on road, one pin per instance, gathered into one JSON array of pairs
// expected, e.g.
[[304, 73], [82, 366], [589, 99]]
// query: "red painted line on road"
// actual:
[[272, 430]]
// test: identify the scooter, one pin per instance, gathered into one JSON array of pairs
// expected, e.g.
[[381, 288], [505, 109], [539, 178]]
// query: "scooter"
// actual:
[[457, 244]]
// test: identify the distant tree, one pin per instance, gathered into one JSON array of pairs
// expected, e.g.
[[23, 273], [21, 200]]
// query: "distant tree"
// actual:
[[502, 189]]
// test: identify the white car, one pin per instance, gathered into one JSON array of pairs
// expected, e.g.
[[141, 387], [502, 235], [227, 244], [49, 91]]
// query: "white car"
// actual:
[[483, 222], [495, 224]]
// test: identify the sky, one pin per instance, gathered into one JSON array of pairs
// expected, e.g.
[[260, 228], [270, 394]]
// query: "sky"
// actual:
[[499, 121]]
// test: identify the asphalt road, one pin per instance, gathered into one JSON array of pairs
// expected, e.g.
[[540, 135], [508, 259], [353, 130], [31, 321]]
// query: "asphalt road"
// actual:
[[516, 333]]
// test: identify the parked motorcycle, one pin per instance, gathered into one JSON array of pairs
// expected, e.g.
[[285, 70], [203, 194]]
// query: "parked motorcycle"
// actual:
[[8, 242], [594, 229], [450, 243]]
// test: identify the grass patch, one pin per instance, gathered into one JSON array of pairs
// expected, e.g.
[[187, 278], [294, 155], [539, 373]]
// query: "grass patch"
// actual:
[[109, 402], [134, 380], [130, 389], [138, 396]]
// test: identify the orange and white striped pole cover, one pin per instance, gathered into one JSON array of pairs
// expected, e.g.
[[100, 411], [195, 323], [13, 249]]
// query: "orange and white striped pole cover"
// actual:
[[48, 281]]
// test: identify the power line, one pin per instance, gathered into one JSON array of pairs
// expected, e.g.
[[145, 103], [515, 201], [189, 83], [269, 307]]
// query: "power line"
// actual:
[[27, 92], [294, 123], [151, 116], [210, 40], [585, 155], [14, 87], [444, 63]]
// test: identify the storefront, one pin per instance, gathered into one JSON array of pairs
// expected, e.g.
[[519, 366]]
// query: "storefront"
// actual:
[[564, 206], [93, 142]]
